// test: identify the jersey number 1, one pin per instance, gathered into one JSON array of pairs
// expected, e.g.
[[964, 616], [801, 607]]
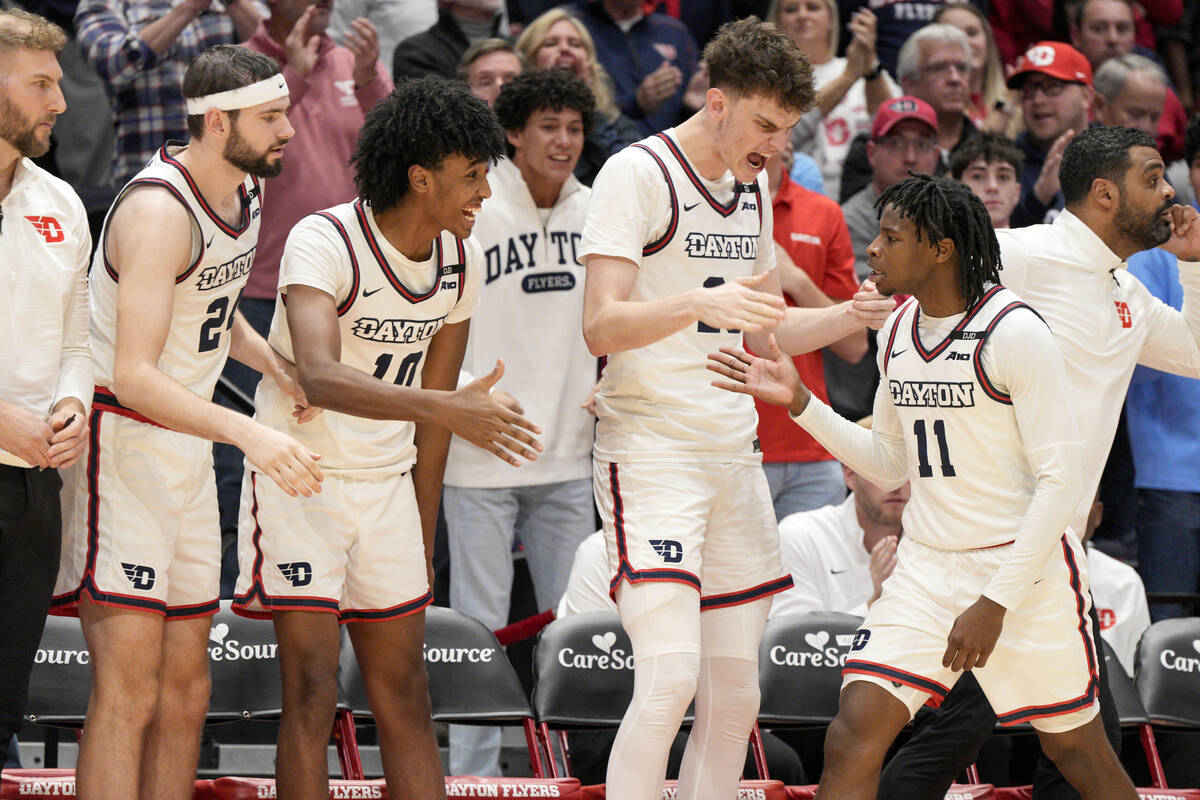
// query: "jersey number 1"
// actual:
[[924, 469], [709, 283]]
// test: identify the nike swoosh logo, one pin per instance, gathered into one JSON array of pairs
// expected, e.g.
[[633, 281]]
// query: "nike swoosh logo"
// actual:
[[373, 291], [898, 352], [686, 207], [210, 241], [836, 571]]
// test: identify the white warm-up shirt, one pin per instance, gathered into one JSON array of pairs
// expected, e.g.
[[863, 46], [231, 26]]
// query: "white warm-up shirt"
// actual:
[[1105, 322], [530, 315], [44, 249]]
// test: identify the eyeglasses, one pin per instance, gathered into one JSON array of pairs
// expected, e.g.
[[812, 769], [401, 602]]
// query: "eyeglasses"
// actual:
[[1050, 88], [898, 145], [940, 68]]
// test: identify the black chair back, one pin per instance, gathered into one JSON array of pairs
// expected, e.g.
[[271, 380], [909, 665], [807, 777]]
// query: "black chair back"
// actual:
[[1168, 671], [800, 668], [62, 675]]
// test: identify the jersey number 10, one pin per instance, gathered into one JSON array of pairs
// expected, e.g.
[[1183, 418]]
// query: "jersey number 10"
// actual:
[[404, 375]]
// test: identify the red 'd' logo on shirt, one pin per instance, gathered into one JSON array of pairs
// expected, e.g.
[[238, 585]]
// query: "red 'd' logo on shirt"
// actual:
[[1108, 618], [1124, 314], [49, 228]]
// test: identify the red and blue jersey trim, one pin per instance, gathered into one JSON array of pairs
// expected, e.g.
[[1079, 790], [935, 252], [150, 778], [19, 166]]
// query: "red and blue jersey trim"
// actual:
[[212, 215], [673, 225], [344, 306], [972, 312], [937, 691]]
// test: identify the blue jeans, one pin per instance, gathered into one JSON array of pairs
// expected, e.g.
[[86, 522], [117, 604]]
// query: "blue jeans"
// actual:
[[1168, 527], [227, 459], [551, 520], [804, 485]]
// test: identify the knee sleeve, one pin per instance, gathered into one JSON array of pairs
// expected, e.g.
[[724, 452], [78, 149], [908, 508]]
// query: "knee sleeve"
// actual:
[[727, 699], [662, 620]]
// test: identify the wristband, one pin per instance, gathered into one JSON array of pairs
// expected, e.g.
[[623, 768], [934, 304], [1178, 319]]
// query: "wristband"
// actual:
[[874, 72]]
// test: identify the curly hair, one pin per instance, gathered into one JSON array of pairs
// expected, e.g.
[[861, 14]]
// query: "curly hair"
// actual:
[[422, 122], [1100, 152], [541, 89], [752, 57], [944, 209]]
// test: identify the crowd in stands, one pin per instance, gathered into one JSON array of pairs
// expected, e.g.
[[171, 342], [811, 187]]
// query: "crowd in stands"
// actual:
[[989, 93]]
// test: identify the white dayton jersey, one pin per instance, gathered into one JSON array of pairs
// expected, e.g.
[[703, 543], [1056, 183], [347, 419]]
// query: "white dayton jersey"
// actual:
[[389, 308], [967, 445], [649, 206], [206, 294]]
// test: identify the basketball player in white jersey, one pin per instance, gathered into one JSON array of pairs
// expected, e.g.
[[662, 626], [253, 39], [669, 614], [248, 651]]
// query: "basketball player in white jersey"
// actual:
[[973, 409], [375, 297], [141, 540], [680, 260]]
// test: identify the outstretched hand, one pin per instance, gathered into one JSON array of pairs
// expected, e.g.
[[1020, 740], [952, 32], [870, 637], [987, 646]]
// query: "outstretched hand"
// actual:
[[870, 307], [472, 413], [773, 380]]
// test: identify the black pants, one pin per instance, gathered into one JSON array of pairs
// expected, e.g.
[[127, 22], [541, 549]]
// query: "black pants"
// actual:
[[30, 541], [947, 741]]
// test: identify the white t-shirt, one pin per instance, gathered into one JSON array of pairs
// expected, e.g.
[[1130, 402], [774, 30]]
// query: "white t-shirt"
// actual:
[[588, 583], [823, 550], [829, 141], [1120, 599]]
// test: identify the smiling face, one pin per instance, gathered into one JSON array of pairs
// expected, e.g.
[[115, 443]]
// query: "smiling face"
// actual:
[[807, 23], [563, 47], [749, 130], [30, 99], [996, 184], [1142, 215], [900, 263], [457, 191], [549, 146]]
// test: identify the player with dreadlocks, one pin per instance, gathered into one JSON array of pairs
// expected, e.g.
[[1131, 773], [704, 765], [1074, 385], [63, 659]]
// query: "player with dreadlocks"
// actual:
[[990, 578]]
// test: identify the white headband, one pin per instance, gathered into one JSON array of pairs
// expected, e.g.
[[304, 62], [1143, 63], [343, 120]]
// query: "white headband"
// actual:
[[264, 91]]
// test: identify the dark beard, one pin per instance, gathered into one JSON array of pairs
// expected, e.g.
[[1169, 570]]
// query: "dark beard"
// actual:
[[23, 139], [1144, 231], [238, 153]]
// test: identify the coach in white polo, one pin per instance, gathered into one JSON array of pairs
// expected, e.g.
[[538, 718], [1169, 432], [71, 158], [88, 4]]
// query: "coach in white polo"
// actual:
[[45, 360]]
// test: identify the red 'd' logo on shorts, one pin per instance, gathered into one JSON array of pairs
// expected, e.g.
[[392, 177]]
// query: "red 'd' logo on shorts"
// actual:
[[1124, 313], [49, 228]]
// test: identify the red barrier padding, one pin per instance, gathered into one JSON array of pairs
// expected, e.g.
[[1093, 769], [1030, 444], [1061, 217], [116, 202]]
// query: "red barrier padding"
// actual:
[[456, 786], [802, 792], [231, 788], [747, 790], [1014, 793], [524, 629], [472, 786], [1169, 794], [971, 791], [16, 784]]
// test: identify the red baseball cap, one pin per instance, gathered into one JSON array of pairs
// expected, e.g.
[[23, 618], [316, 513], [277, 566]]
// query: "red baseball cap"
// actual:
[[1056, 59], [896, 111]]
